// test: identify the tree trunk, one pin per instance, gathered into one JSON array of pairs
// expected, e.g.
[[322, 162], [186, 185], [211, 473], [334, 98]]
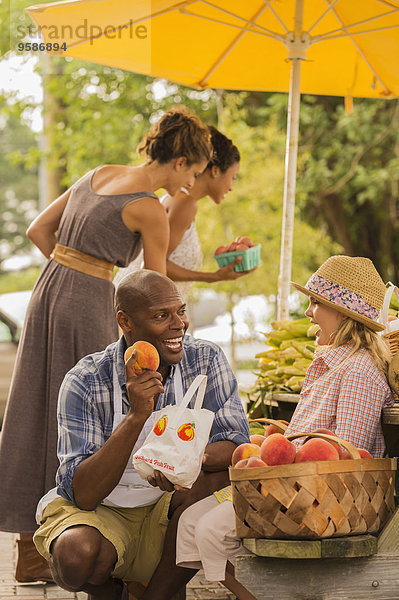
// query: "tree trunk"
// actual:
[[53, 113], [334, 215]]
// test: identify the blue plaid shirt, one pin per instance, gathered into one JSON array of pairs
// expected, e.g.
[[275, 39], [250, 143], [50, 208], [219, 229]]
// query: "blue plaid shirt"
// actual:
[[85, 403]]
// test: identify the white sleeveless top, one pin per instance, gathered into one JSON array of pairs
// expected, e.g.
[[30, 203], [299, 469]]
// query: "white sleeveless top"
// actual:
[[187, 254]]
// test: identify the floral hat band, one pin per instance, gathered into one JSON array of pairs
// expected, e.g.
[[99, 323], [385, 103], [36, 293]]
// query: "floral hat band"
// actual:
[[351, 285], [340, 295]]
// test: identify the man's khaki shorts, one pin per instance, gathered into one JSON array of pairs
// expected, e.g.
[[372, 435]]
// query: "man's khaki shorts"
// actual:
[[136, 533]]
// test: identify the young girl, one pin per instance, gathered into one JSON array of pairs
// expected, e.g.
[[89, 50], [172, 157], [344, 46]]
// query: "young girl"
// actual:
[[103, 220], [345, 390]]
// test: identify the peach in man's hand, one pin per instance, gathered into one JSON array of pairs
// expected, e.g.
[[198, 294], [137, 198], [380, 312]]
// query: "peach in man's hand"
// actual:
[[147, 356]]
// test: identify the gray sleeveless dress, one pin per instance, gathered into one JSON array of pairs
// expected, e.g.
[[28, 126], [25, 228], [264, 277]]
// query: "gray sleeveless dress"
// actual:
[[70, 315]]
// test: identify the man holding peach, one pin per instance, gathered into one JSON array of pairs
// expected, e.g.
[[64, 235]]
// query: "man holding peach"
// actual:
[[103, 523]]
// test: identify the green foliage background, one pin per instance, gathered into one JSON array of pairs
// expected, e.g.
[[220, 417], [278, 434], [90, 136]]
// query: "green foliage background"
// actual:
[[348, 164]]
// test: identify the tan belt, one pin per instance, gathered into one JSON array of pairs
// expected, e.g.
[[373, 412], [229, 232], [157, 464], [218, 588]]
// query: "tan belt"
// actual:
[[84, 263]]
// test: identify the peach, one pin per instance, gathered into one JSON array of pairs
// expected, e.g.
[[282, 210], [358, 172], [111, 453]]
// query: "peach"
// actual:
[[220, 250], [244, 239], [316, 449], [244, 451], [241, 463], [147, 356], [328, 432], [255, 461], [270, 429], [241, 247], [257, 439], [231, 247], [362, 451], [277, 450]]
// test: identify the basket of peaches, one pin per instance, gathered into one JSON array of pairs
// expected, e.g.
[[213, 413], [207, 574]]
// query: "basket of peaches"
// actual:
[[242, 246], [325, 487]]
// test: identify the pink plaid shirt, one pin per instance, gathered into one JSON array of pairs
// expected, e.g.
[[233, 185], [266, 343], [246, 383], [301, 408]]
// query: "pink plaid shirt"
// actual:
[[346, 396]]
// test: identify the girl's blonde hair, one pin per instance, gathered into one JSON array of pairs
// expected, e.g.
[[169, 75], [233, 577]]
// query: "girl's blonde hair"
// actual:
[[358, 336], [179, 133]]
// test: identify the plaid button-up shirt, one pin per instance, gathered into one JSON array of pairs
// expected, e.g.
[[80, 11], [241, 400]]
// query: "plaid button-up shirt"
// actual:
[[85, 404], [345, 395]]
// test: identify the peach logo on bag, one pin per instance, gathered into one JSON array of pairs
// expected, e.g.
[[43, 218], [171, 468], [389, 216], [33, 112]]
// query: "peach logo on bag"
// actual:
[[160, 425], [186, 432]]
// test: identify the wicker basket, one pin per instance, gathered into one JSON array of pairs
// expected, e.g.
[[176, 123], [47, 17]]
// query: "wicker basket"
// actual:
[[267, 421], [314, 499], [392, 337]]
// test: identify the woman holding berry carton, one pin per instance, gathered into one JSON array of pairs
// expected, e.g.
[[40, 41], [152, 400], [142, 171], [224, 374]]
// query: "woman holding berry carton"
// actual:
[[184, 252], [345, 390]]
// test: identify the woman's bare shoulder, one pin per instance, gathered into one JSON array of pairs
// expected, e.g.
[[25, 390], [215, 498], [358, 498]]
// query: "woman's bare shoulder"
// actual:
[[145, 212], [117, 179], [182, 204]]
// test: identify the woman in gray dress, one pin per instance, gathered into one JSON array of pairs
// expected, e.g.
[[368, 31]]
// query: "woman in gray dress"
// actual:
[[103, 220]]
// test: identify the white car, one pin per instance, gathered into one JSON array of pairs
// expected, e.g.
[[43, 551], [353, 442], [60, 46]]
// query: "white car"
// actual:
[[12, 313]]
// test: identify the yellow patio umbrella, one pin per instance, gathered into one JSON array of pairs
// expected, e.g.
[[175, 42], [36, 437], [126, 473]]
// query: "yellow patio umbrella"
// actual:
[[344, 48]]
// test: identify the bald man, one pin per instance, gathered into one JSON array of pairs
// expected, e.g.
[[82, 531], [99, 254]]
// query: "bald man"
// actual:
[[103, 523]]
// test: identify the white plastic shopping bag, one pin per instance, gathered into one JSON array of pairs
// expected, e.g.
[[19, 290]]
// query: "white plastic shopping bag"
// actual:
[[176, 444]]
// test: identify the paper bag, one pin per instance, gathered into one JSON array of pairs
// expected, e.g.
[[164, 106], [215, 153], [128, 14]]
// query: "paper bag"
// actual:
[[176, 444]]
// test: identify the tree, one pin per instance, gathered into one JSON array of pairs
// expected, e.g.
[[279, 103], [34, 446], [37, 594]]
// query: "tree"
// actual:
[[99, 114], [106, 112], [348, 171], [351, 183], [254, 207], [18, 181], [15, 23]]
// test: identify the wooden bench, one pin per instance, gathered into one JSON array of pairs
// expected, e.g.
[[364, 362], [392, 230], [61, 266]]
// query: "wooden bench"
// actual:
[[350, 568]]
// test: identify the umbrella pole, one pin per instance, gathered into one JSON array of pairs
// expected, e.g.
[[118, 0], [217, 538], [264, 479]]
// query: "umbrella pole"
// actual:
[[287, 230], [295, 54]]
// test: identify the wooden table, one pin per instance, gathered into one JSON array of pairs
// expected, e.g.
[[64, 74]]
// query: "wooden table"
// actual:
[[283, 405]]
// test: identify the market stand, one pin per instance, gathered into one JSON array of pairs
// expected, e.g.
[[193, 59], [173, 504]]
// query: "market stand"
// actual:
[[344, 568]]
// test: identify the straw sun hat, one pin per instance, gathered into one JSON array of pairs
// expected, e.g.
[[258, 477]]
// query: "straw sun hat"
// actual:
[[351, 285]]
